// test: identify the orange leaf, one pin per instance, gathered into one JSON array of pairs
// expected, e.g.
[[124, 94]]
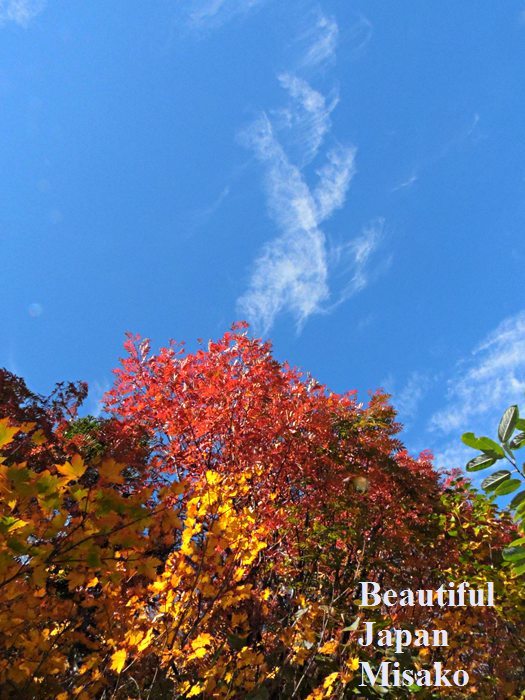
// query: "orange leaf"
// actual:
[[110, 470]]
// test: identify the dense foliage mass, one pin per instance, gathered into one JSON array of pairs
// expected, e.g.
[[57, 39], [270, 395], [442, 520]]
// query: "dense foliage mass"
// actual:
[[502, 482], [206, 538]]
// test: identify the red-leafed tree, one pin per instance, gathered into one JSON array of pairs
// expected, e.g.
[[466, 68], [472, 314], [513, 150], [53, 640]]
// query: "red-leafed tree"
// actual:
[[233, 408]]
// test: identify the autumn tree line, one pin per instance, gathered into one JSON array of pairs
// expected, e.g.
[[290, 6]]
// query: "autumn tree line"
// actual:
[[205, 537]]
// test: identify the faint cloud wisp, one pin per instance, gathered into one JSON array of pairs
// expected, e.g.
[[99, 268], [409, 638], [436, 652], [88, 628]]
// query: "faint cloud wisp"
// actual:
[[97, 391], [360, 34], [20, 12], [471, 133], [411, 180], [322, 39], [35, 310], [200, 217], [407, 401], [209, 14], [355, 257]]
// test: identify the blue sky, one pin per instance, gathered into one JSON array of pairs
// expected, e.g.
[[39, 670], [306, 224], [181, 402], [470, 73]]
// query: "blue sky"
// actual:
[[347, 176]]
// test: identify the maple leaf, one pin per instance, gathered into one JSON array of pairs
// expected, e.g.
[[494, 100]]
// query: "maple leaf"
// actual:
[[6, 432], [111, 471], [118, 660], [73, 469], [203, 640]]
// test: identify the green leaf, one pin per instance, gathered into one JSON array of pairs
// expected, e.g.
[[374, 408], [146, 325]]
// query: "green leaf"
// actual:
[[480, 462], [485, 444], [507, 423], [516, 543], [514, 553], [47, 484], [494, 480], [520, 424], [517, 441], [491, 448], [18, 475], [17, 546], [507, 487], [520, 508], [470, 440], [517, 518], [8, 523], [519, 569], [93, 558], [518, 498]]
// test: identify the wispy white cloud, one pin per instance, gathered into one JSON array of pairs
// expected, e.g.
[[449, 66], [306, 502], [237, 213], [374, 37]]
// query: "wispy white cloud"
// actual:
[[305, 121], [493, 376], [482, 387], [333, 179], [322, 38], [206, 14], [353, 259], [291, 273], [20, 12]]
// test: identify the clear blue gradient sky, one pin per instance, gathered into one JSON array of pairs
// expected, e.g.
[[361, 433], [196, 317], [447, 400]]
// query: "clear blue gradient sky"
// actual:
[[347, 176]]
